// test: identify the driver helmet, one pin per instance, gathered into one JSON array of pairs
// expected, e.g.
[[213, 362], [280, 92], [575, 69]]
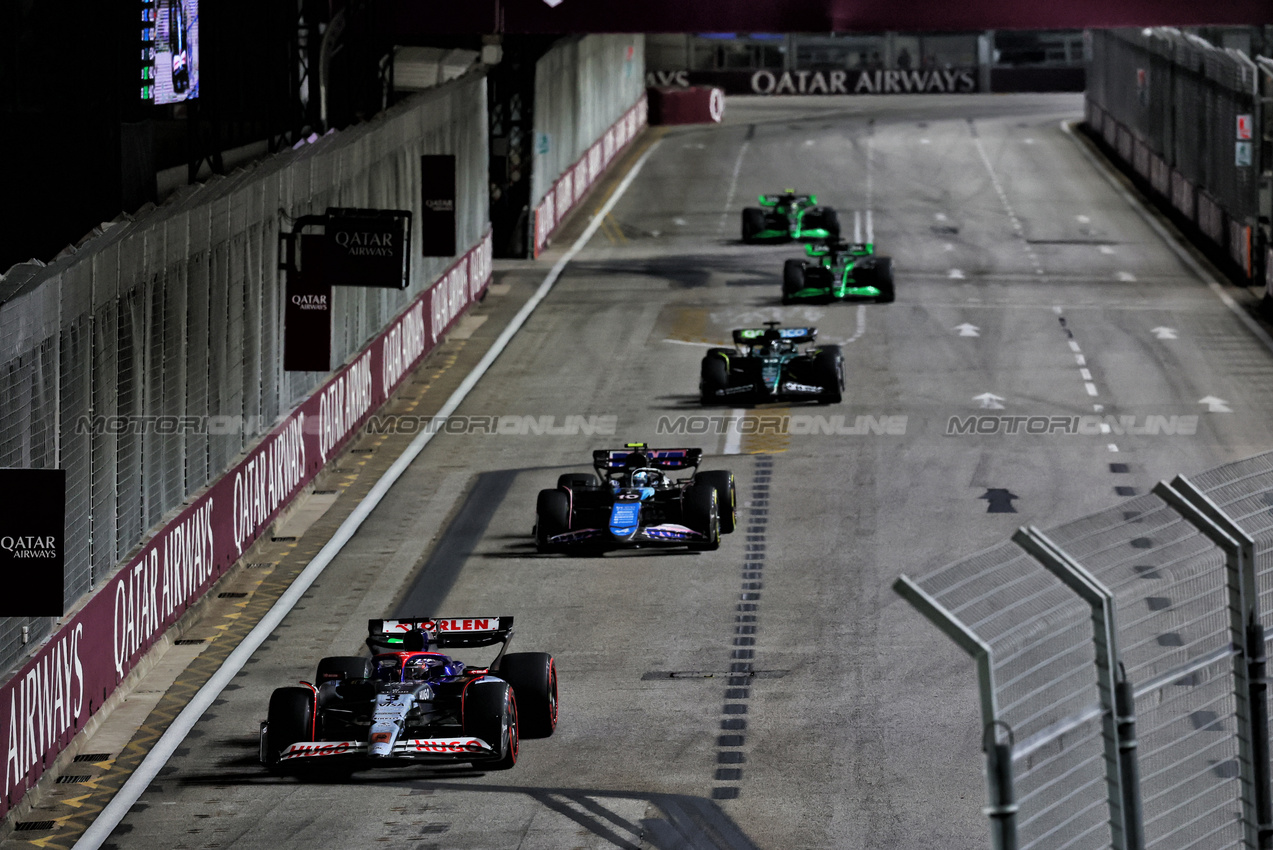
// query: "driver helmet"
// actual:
[[424, 668], [772, 338]]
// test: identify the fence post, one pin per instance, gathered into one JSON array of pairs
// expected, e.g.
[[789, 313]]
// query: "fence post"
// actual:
[[1247, 633], [1003, 799], [1003, 834], [1129, 766], [1123, 823]]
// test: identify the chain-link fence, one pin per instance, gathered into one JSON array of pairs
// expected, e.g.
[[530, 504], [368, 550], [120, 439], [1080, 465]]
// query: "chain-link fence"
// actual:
[[1186, 117], [144, 360], [1121, 668]]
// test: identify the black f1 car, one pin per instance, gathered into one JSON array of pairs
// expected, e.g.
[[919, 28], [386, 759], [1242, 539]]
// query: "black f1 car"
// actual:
[[839, 270], [409, 704], [789, 216], [631, 502], [767, 364]]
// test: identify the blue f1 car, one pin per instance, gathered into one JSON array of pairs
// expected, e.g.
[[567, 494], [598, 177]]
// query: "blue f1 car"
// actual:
[[631, 502]]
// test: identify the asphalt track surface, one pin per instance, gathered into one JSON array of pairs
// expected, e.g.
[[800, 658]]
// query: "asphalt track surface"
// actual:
[[775, 693]]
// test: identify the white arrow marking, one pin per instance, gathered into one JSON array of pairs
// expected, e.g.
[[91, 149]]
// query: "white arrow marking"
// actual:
[[680, 221], [1082, 219], [553, 4], [1164, 333], [1215, 405], [949, 247], [808, 143], [989, 401], [1105, 249], [1127, 277], [940, 216], [967, 329], [925, 142], [1029, 141], [956, 274]]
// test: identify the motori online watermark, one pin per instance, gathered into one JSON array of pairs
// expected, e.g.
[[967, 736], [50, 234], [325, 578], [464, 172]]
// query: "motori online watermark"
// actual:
[[1089, 425], [791, 424], [517, 425]]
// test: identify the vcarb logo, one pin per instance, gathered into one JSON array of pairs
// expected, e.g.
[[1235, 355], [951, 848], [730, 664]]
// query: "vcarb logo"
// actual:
[[30, 547]]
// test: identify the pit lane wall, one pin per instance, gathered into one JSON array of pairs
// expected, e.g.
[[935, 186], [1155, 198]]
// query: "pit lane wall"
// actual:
[[127, 318], [589, 105], [1182, 116]]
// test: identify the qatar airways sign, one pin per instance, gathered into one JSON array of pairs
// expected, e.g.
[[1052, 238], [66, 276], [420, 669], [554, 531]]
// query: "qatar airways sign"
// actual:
[[368, 247], [862, 81], [31, 546]]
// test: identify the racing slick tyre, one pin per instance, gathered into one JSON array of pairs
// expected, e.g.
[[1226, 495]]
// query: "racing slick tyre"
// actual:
[[533, 676], [884, 279], [552, 516], [572, 480], [726, 496], [792, 279], [828, 371], [339, 668], [291, 719], [702, 513], [713, 377], [753, 222], [490, 713]]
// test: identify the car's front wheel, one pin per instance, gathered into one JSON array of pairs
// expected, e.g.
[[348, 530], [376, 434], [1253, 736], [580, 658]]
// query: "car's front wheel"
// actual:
[[703, 514], [490, 713], [552, 517]]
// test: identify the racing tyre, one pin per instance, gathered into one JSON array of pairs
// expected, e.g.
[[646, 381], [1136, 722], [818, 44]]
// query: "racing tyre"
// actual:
[[828, 371], [339, 668], [533, 676], [792, 279], [291, 719], [713, 377], [831, 222], [884, 279], [490, 713], [573, 480], [726, 496], [552, 516], [703, 514], [753, 222]]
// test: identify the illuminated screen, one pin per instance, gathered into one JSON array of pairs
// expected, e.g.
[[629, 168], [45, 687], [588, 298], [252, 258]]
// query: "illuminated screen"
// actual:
[[169, 50]]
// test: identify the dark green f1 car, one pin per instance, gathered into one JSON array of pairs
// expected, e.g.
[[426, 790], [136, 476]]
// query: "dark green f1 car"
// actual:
[[767, 364], [789, 216], [840, 270]]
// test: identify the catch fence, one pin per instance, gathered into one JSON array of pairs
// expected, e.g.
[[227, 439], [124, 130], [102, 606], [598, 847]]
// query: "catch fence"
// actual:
[[1120, 661]]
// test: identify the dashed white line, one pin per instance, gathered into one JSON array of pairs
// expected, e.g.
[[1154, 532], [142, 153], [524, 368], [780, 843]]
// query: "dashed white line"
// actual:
[[733, 186], [1074, 346], [1086, 373], [733, 440], [1091, 388], [1080, 359], [1113, 448]]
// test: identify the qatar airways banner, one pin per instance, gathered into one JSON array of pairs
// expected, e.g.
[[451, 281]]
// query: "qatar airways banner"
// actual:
[[578, 178], [861, 81], [55, 693]]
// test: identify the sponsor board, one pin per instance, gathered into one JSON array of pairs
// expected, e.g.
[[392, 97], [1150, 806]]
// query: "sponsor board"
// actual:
[[57, 691], [32, 528], [828, 82]]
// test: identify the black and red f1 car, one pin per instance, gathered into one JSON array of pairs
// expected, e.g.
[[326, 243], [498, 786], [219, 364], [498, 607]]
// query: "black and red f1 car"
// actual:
[[408, 703]]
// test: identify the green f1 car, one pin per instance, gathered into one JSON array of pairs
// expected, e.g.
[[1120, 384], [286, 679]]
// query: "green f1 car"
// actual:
[[840, 270], [766, 364], [789, 216]]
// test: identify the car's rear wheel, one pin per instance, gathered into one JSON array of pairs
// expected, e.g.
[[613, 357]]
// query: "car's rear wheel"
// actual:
[[726, 496], [290, 720], [533, 676], [490, 713], [792, 279], [884, 279], [828, 372], [703, 515], [753, 223], [552, 517], [713, 377]]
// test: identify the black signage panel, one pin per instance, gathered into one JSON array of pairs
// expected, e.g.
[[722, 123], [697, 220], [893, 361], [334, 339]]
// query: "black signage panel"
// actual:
[[437, 219], [367, 247], [307, 316], [32, 538]]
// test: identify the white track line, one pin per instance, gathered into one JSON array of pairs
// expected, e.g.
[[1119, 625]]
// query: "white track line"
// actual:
[[158, 756], [734, 437], [1175, 246], [733, 187]]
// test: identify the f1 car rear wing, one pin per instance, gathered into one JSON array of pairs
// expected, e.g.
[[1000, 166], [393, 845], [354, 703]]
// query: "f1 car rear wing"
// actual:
[[821, 249], [775, 200], [755, 336], [667, 459], [442, 632]]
